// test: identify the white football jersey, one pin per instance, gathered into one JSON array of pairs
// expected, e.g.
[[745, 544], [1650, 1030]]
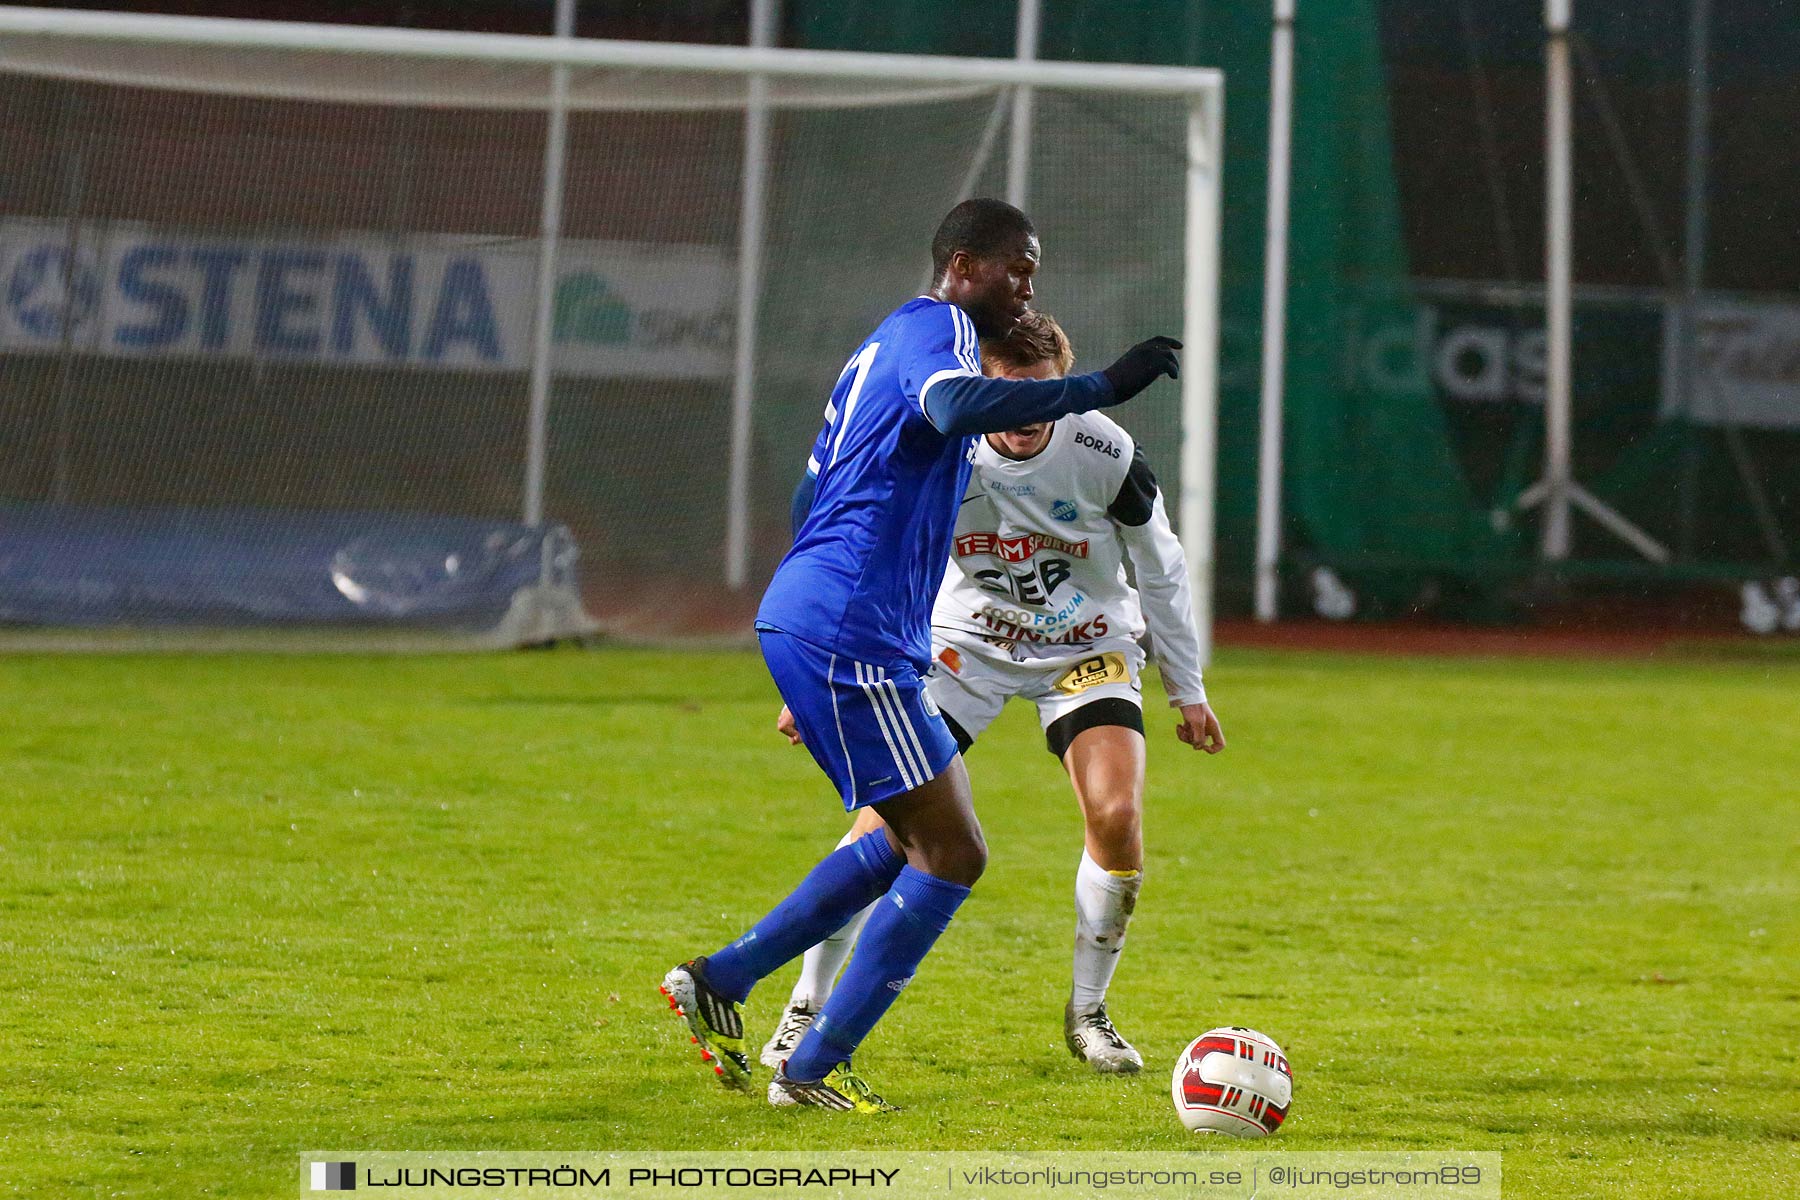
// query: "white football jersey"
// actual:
[[1037, 563]]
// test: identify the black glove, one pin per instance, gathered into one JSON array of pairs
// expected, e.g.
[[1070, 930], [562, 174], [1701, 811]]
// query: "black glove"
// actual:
[[1139, 366]]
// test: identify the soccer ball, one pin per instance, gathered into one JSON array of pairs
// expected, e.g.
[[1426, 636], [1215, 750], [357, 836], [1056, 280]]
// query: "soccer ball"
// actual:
[[1232, 1080]]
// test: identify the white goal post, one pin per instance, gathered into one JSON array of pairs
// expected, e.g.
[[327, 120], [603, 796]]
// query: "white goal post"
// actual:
[[448, 70]]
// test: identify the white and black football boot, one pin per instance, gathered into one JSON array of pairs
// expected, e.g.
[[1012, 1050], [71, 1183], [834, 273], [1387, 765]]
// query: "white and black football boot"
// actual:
[[1092, 1039], [794, 1023]]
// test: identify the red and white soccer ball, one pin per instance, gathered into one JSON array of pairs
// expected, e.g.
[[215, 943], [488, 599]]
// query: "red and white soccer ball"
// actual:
[[1232, 1080]]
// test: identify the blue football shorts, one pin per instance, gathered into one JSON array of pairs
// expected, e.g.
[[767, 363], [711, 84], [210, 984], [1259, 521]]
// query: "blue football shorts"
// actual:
[[872, 729]]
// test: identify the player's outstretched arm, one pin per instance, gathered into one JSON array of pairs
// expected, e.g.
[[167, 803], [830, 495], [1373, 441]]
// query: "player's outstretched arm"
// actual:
[[963, 405]]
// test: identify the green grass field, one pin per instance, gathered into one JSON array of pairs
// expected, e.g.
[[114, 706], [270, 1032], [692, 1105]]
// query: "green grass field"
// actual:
[[254, 905]]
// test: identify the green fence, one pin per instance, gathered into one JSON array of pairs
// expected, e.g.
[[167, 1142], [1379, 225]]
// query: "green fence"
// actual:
[[1407, 441]]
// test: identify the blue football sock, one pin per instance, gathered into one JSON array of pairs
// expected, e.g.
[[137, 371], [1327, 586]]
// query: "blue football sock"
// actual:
[[900, 932], [841, 886]]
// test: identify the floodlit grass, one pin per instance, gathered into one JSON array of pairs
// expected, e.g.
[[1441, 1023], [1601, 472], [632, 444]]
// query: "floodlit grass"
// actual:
[[250, 906]]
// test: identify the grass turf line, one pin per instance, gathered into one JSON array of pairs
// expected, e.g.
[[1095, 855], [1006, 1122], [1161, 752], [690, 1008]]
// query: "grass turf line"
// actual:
[[255, 905]]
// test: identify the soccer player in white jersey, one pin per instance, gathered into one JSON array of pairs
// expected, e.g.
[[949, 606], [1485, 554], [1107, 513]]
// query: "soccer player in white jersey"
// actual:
[[1035, 604]]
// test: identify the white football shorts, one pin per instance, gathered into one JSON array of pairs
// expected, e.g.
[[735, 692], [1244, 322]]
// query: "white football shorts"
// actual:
[[971, 679]]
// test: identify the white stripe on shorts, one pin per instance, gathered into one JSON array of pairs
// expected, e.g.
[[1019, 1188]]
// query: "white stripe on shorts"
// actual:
[[902, 727], [849, 766], [881, 719], [905, 721], [903, 731]]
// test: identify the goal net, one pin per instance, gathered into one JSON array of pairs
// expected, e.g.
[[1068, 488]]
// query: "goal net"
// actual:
[[284, 345]]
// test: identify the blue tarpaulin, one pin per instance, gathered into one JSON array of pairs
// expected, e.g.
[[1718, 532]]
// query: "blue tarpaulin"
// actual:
[[90, 567]]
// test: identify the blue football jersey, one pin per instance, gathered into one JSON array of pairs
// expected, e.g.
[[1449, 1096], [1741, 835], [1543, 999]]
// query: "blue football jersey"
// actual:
[[867, 561]]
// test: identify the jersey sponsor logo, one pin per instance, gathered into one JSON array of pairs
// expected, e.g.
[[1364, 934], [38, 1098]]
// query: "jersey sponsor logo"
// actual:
[[1094, 672], [952, 659], [1015, 549], [1034, 585], [1063, 510], [1011, 489], [1099, 445], [1011, 625]]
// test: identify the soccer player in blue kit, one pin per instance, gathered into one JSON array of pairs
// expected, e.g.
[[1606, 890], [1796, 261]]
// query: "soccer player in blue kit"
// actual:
[[845, 631]]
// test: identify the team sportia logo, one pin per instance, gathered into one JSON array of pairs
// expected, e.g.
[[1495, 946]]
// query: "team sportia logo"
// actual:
[[1015, 549]]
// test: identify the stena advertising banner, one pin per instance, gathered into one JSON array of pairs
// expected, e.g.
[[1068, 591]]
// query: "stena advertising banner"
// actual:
[[429, 301]]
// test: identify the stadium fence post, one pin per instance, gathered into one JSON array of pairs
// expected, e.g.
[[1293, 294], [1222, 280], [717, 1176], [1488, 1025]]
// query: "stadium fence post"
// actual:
[[1558, 491], [1200, 336], [1693, 259], [1558, 208], [750, 255], [1275, 284], [543, 331], [1018, 158]]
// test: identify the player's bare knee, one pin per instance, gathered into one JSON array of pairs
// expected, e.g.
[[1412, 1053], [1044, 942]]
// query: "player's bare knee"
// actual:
[[1114, 821], [975, 859], [964, 867], [1115, 814], [958, 859]]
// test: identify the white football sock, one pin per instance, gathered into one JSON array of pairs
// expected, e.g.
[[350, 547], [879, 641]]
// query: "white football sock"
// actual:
[[1103, 903], [820, 965]]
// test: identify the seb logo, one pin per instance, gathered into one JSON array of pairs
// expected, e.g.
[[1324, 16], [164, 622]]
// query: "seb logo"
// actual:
[[1034, 585], [1016, 549]]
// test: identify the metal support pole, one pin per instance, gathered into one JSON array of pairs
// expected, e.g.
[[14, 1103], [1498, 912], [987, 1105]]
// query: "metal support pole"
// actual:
[[1558, 282], [1200, 359], [1275, 285], [1693, 261], [984, 150], [751, 232], [1018, 157], [1557, 491], [74, 188], [543, 330]]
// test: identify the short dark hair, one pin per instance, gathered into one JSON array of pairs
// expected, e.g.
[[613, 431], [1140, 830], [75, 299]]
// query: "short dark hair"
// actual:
[[981, 226], [1037, 338]]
